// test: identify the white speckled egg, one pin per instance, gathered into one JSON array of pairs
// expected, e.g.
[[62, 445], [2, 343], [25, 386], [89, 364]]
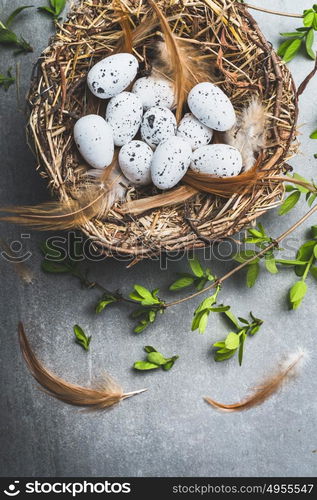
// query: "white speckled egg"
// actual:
[[170, 162], [124, 115], [220, 160], [135, 160], [112, 75], [94, 139], [195, 132], [154, 91], [211, 106], [158, 124]]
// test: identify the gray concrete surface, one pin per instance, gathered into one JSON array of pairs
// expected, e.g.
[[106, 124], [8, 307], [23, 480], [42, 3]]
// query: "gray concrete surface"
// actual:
[[169, 430]]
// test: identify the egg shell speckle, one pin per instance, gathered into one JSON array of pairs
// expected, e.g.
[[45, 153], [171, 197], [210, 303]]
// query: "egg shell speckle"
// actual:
[[112, 75], [211, 106], [170, 162], [158, 124], [193, 131], [154, 91], [220, 160], [124, 115], [135, 160], [94, 139]]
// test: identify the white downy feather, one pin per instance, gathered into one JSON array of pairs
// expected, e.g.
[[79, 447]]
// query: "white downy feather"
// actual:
[[117, 183], [248, 135]]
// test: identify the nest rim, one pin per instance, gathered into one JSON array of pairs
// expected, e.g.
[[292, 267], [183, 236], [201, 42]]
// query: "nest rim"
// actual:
[[217, 219]]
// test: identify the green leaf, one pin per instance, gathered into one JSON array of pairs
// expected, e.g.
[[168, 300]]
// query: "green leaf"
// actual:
[[243, 320], [241, 347], [142, 325], [104, 302], [196, 267], [156, 358], [149, 348], [224, 356], [47, 10], [169, 364], [309, 44], [152, 316], [292, 34], [313, 271], [290, 262], [256, 233], [203, 322], [14, 14], [297, 293], [232, 341], [305, 251], [7, 37], [292, 50], [270, 264], [219, 309], [309, 17], [81, 337], [315, 22], [313, 135], [144, 296], [6, 80], [255, 329], [313, 231], [232, 318], [53, 267], [219, 344], [289, 203], [208, 302], [59, 5], [143, 292], [252, 274], [182, 283], [283, 46], [144, 365], [200, 283], [311, 199], [256, 320]]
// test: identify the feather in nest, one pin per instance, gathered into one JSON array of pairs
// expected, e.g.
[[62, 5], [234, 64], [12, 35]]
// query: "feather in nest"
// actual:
[[248, 135], [288, 370], [92, 198], [179, 60], [106, 394]]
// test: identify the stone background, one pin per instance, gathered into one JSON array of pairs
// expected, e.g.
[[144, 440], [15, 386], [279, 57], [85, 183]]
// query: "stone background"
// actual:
[[169, 430]]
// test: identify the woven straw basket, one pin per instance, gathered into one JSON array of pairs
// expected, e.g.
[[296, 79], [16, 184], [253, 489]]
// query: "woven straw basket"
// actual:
[[244, 64]]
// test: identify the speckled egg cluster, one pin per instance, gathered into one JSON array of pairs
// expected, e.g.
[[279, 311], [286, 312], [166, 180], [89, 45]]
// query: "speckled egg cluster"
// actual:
[[139, 119]]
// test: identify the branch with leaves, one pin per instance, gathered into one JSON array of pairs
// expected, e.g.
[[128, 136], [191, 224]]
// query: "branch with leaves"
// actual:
[[303, 37], [149, 304], [154, 360]]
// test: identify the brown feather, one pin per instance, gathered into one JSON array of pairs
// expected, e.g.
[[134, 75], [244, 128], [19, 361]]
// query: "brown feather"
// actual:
[[175, 59], [266, 389], [108, 394], [22, 270], [172, 197], [91, 199]]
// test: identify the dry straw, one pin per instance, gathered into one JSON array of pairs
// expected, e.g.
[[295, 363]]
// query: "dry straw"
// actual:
[[218, 36]]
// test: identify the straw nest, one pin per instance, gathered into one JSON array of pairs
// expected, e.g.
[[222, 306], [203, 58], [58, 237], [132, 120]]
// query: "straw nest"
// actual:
[[244, 64]]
